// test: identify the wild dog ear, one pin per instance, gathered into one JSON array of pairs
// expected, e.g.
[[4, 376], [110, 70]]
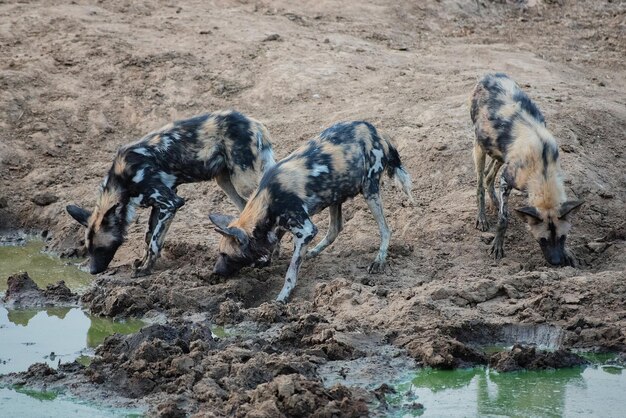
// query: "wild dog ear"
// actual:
[[79, 214], [240, 235], [529, 214], [237, 233], [221, 221], [570, 207], [108, 217]]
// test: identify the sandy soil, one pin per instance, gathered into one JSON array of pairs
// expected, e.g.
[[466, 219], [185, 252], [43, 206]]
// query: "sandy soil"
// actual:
[[78, 79]]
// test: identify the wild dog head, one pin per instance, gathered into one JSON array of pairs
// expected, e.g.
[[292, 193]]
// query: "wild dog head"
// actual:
[[238, 248], [550, 229], [105, 228]]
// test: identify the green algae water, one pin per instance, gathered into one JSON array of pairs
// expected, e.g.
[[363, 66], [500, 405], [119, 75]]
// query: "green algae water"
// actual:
[[43, 268], [218, 331], [593, 391], [21, 402], [53, 335]]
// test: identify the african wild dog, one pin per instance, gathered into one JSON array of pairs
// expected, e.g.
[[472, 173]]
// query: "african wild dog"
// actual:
[[512, 131], [226, 146], [344, 160]]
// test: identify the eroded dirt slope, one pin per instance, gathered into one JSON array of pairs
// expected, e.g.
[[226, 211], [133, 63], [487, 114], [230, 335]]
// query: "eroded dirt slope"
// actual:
[[78, 79]]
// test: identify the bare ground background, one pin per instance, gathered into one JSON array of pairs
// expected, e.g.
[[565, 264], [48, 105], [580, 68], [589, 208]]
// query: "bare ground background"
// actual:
[[78, 79]]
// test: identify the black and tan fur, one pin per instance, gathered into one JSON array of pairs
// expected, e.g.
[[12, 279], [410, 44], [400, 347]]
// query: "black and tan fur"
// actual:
[[226, 146], [510, 129], [345, 160]]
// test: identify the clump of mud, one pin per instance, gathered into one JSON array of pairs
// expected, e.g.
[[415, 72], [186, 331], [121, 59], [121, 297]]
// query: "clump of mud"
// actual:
[[23, 292], [295, 395], [530, 358], [179, 366]]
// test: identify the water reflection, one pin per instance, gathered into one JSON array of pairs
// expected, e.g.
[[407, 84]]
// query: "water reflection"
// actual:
[[43, 268], [52, 335], [537, 393], [22, 402], [578, 392]]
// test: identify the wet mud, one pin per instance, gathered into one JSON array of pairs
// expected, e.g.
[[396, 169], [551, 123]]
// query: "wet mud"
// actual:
[[93, 77], [22, 292]]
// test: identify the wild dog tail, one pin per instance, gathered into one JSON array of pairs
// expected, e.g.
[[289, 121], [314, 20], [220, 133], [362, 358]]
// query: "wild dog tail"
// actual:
[[396, 170]]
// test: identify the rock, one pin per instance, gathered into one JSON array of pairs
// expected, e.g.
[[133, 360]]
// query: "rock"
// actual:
[[23, 292], [207, 389], [441, 147], [40, 127], [170, 409], [119, 302], [307, 398], [381, 392], [597, 247], [44, 199], [605, 194], [272, 37], [529, 358], [444, 352], [3, 202], [19, 284], [182, 364], [570, 298], [60, 293], [286, 386], [39, 370], [443, 293]]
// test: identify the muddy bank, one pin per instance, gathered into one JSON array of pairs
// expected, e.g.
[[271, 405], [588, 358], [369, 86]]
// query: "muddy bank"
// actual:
[[529, 358], [90, 78], [23, 292]]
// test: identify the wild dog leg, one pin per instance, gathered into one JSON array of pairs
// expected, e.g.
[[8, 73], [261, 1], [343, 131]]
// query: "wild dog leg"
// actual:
[[497, 248], [479, 162], [492, 173], [303, 234], [279, 236], [335, 226], [154, 216], [375, 205], [166, 204], [223, 180]]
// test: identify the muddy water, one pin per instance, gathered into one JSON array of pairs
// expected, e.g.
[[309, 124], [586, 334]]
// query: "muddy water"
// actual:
[[577, 392], [20, 402], [53, 335], [43, 268], [49, 335]]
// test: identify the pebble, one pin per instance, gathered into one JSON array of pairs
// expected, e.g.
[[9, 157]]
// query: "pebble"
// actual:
[[597, 247], [272, 37], [44, 199]]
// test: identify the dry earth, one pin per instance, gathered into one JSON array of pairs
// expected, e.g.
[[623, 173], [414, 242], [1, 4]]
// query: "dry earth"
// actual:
[[78, 79]]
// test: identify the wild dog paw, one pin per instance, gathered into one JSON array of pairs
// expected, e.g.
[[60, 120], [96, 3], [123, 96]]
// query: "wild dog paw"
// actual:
[[139, 270], [283, 296], [377, 267], [310, 254], [497, 250], [482, 224], [570, 259]]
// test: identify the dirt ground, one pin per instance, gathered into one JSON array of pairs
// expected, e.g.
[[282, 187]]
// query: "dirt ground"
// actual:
[[78, 79]]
